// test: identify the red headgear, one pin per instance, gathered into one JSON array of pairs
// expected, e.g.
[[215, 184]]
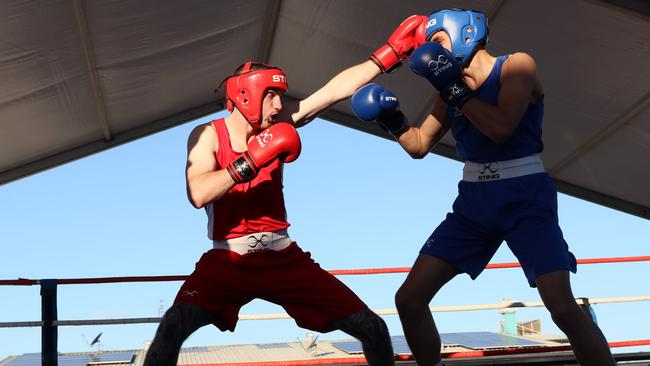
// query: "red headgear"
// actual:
[[247, 89]]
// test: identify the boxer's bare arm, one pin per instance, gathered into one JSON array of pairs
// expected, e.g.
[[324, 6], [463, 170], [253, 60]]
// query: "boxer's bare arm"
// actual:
[[340, 87], [418, 141], [204, 183], [519, 82], [399, 45]]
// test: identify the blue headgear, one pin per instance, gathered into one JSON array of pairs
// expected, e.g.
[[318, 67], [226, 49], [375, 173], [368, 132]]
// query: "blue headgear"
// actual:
[[467, 29]]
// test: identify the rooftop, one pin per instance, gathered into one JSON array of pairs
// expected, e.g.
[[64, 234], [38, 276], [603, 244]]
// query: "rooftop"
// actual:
[[466, 348]]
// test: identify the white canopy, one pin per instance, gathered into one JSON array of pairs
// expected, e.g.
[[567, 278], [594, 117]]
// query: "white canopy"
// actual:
[[81, 76]]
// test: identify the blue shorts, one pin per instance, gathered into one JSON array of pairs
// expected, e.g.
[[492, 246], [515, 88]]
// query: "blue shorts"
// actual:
[[522, 211]]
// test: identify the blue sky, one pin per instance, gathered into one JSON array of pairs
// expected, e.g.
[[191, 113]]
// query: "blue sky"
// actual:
[[354, 201]]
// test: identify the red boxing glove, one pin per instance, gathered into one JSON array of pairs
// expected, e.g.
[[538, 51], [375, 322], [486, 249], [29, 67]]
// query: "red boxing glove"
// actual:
[[280, 141], [406, 37]]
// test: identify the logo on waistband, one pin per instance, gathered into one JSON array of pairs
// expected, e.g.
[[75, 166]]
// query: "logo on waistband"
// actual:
[[259, 243], [190, 293], [488, 172]]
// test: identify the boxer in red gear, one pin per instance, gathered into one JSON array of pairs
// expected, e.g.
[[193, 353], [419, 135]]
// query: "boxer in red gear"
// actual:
[[234, 171]]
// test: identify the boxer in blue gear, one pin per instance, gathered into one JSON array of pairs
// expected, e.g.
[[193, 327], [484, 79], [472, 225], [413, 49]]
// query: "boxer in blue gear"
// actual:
[[494, 107]]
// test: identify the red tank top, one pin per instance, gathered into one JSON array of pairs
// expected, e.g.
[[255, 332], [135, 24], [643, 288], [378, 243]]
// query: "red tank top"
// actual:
[[249, 207]]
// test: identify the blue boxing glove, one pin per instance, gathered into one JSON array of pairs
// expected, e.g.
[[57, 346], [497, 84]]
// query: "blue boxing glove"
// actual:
[[372, 102], [436, 64]]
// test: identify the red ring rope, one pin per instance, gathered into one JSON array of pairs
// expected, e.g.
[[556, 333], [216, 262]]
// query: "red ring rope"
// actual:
[[336, 272]]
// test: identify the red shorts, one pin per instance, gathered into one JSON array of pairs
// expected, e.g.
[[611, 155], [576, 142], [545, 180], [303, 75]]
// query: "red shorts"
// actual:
[[224, 281]]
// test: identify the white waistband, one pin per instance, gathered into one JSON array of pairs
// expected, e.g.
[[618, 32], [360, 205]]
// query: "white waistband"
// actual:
[[255, 242], [485, 172]]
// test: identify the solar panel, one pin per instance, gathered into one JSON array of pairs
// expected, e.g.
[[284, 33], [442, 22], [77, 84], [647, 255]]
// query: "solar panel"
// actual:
[[112, 357], [28, 359], [354, 347], [350, 347], [484, 340], [474, 340], [34, 359], [96, 359], [195, 349], [399, 345], [74, 360]]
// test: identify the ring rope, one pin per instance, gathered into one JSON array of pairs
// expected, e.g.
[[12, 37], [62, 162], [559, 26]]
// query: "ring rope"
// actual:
[[505, 304], [337, 272]]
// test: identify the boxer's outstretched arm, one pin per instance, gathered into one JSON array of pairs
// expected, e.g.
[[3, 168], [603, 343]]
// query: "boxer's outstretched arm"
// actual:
[[340, 87], [399, 46]]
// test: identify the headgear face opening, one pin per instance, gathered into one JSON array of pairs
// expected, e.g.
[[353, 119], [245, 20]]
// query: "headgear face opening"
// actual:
[[247, 89], [467, 29]]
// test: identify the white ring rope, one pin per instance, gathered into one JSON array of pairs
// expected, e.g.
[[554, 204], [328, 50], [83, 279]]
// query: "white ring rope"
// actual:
[[505, 304]]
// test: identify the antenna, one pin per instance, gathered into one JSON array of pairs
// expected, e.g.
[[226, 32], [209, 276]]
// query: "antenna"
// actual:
[[96, 340], [311, 342]]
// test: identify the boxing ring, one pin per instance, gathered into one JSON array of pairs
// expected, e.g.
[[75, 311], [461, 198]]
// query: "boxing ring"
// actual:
[[49, 322]]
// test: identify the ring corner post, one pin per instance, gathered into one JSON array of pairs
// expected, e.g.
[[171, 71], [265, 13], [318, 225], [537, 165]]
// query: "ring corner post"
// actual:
[[49, 330]]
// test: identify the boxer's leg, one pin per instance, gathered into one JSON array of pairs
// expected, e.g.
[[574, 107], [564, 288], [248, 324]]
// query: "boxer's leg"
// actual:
[[181, 320], [371, 331]]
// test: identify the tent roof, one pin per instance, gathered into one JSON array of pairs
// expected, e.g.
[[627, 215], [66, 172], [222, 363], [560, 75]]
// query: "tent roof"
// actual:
[[80, 76]]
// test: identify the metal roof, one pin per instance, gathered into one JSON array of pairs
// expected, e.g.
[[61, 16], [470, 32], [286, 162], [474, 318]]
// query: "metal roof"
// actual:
[[323, 353], [81, 76]]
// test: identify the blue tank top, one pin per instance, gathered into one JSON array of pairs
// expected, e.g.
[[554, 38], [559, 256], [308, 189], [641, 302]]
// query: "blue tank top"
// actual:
[[473, 145]]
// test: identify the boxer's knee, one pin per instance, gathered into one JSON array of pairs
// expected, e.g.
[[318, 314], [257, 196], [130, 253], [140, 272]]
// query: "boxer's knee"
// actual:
[[371, 330]]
